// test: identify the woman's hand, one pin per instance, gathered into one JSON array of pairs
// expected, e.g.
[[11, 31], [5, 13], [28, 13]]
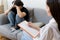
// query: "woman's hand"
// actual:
[[33, 26]]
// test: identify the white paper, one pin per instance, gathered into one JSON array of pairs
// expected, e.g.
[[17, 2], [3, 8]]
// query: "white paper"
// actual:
[[28, 29]]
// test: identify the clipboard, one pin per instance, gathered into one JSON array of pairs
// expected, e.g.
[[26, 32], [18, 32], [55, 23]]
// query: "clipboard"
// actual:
[[33, 32]]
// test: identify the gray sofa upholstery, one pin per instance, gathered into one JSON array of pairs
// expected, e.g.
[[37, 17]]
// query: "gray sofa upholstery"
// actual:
[[5, 28], [41, 15], [36, 16]]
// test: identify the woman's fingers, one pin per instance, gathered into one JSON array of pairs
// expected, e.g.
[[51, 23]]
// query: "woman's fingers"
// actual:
[[31, 24]]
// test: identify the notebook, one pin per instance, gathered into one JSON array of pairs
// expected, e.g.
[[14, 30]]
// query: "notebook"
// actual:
[[31, 31]]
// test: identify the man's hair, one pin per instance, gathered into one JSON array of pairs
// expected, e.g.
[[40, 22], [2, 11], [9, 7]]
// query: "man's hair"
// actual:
[[19, 3]]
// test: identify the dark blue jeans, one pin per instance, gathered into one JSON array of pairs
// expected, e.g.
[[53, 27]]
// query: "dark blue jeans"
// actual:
[[14, 19]]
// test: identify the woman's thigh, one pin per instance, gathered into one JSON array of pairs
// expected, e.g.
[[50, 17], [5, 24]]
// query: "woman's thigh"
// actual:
[[26, 36]]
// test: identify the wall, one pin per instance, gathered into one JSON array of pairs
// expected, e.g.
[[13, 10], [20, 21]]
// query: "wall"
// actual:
[[5, 5], [35, 3], [32, 3], [9, 2], [1, 6], [0, 2]]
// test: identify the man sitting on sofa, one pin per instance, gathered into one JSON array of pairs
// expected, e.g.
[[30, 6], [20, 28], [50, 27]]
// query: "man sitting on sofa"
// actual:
[[16, 14]]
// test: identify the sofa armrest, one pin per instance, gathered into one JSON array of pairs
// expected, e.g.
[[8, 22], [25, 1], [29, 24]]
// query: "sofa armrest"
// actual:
[[39, 24], [3, 19]]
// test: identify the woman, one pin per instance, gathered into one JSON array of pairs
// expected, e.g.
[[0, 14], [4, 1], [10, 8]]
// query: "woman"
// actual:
[[50, 31]]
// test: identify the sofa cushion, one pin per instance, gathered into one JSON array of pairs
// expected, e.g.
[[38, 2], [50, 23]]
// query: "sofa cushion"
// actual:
[[41, 15], [39, 24], [3, 19], [5, 31], [19, 35], [31, 11]]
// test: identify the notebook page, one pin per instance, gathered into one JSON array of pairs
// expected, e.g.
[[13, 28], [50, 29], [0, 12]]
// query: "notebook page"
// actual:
[[31, 31]]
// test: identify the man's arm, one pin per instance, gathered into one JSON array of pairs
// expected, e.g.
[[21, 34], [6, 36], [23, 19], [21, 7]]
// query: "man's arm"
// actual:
[[20, 14], [7, 11]]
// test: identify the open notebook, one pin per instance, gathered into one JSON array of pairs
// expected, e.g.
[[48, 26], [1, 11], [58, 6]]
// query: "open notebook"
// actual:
[[33, 32]]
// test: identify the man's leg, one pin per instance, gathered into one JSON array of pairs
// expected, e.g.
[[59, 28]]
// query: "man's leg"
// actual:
[[18, 20], [11, 17]]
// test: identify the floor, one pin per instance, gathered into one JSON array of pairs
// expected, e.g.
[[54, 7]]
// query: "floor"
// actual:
[[3, 38]]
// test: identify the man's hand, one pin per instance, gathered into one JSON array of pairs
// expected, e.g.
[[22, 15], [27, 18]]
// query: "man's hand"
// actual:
[[18, 7], [6, 13], [19, 12]]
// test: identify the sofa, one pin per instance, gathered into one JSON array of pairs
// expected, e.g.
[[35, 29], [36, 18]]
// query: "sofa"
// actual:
[[37, 16]]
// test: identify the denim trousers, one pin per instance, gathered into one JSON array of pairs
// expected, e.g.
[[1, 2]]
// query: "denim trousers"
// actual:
[[14, 19]]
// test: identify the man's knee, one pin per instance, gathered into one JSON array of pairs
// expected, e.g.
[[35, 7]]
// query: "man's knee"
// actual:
[[11, 13], [18, 19]]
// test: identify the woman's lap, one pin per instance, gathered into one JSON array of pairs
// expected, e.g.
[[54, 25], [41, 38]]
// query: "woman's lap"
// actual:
[[26, 36]]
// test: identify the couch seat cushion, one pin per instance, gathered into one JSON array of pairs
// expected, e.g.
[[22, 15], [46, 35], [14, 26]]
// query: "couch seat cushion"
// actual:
[[5, 31]]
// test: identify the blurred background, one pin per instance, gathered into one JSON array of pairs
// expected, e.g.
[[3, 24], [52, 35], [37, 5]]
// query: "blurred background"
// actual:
[[38, 6], [5, 4]]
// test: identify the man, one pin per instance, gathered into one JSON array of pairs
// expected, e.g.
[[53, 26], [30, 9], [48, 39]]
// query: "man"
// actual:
[[16, 14]]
